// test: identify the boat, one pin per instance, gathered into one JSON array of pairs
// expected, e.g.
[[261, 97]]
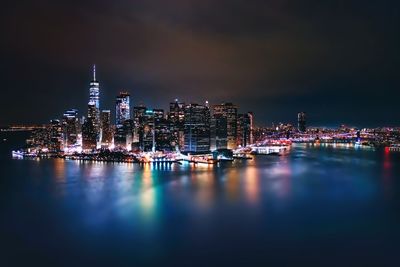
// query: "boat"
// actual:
[[17, 154], [274, 154], [223, 158], [242, 157]]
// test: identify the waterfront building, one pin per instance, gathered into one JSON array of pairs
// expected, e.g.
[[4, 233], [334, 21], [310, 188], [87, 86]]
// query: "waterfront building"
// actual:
[[106, 129], [89, 135], [176, 118], [197, 128], [301, 122], [39, 139], [229, 111], [70, 128], [123, 137], [138, 114], [144, 121], [124, 126], [56, 136], [162, 131], [146, 131]]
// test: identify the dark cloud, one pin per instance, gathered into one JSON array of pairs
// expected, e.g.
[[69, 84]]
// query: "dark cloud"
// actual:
[[338, 60]]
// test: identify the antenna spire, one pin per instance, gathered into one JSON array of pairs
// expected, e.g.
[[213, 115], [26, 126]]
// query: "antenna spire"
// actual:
[[94, 72]]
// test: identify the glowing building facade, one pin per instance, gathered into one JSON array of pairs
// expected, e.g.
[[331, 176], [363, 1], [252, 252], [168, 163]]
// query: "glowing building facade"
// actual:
[[197, 128], [229, 112], [94, 102], [70, 128], [122, 108]]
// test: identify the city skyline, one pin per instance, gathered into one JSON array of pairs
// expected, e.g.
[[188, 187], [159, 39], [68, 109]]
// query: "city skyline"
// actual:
[[189, 127], [336, 61], [94, 109]]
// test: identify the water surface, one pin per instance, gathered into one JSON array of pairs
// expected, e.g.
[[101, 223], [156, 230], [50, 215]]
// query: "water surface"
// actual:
[[325, 206]]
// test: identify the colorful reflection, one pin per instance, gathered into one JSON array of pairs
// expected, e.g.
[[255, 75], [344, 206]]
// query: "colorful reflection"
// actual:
[[59, 170], [232, 183], [252, 184]]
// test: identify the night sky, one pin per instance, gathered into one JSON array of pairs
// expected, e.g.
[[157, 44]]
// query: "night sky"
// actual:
[[336, 60]]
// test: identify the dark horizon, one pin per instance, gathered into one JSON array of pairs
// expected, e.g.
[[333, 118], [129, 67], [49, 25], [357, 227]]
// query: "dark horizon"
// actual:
[[338, 60]]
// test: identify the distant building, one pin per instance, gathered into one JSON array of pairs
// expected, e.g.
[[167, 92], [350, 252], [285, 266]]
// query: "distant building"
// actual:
[[106, 129], [229, 111], [70, 128], [301, 122], [197, 128]]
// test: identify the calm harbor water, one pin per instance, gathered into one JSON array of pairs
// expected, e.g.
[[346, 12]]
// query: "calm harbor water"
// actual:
[[326, 206]]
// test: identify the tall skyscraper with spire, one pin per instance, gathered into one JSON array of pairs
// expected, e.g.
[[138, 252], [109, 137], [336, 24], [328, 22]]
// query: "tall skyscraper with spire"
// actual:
[[93, 116], [94, 91]]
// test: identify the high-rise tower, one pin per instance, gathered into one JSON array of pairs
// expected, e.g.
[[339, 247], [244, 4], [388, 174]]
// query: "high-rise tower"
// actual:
[[228, 112], [94, 91], [94, 102], [122, 108], [197, 128], [124, 125]]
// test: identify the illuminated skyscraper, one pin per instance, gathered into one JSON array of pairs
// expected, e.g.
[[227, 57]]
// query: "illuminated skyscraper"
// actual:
[[94, 90], [138, 116], [122, 108], [70, 127], [301, 122], [197, 128], [176, 118], [146, 131], [56, 136], [124, 126], [228, 111], [94, 103], [162, 131], [219, 135]]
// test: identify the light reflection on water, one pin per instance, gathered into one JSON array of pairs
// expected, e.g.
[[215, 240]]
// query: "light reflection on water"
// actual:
[[343, 190], [134, 190]]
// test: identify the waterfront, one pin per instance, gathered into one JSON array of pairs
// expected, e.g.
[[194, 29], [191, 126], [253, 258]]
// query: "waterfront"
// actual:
[[319, 205]]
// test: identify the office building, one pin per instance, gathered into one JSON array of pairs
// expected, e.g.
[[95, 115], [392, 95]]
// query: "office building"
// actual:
[[70, 128], [197, 129], [94, 102], [162, 131], [229, 111], [245, 129], [176, 118], [106, 129], [89, 135], [122, 108]]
